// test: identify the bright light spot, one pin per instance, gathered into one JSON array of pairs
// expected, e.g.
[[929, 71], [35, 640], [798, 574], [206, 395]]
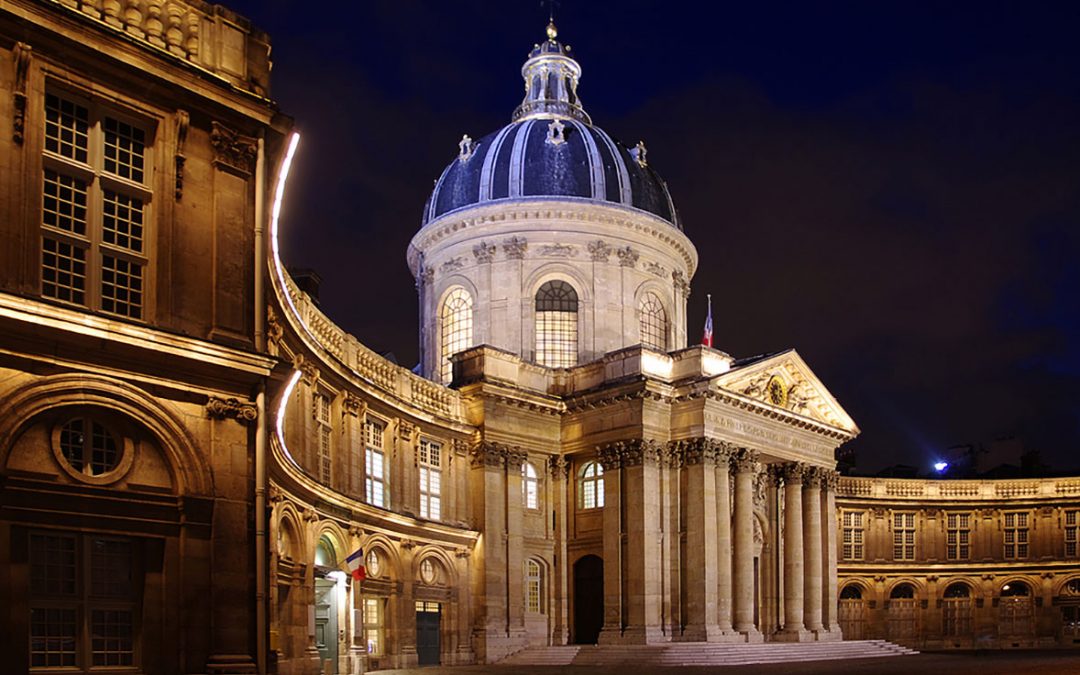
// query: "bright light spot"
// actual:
[[941, 466], [655, 364], [285, 396], [337, 575]]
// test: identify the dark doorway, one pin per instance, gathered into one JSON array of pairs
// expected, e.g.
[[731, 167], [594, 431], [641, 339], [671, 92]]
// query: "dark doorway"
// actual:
[[428, 617], [588, 599]]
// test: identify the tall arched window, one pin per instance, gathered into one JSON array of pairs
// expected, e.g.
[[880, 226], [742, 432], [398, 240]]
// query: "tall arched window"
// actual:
[[455, 326], [653, 322], [534, 586], [556, 324], [530, 486], [591, 486]]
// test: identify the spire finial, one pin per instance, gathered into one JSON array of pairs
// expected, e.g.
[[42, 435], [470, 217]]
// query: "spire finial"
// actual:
[[552, 31]]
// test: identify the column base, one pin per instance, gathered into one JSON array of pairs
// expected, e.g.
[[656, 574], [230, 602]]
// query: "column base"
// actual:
[[709, 633], [798, 635], [750, 635], [829, 635], [633, 635]]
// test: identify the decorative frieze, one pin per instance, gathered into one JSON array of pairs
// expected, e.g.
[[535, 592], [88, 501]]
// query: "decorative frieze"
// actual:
[[599, 250], [222, 408], [558, 251], [655, 268], [515, 247], [452, 264], [490, 454], [233, 149]]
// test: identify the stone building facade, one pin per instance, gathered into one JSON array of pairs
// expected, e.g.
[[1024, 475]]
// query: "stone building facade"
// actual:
[[960, 563], [190, 449]]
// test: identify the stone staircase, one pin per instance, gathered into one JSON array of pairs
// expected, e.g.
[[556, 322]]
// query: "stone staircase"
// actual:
[[702, 653]]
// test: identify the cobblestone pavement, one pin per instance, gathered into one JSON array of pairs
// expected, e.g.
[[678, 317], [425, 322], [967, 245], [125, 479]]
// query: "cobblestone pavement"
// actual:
[[1060, 662]]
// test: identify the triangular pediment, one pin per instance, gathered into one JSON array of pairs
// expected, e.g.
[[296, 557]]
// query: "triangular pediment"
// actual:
[[785, 382]]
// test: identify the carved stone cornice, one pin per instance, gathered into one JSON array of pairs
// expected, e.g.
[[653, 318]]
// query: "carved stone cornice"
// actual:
[[744, 460], [515, 247], [558, 467], [233, 149], [632, 452], [484, 252], [221, 408], [21, 54], [498, 455]]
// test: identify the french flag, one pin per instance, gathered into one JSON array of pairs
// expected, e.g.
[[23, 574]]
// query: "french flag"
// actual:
[[706, 339], [355, 563]]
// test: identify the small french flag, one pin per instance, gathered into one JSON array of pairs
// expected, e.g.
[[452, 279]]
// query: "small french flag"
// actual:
[[355, 563], [706, 339]]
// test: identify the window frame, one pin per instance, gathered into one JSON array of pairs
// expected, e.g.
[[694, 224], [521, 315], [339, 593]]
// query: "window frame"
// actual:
[[595, 478], [460, 337], [370, 453], [97, 181], [534, 587], [426, 471], [1021, 535], [853, 547], [376, 626], [904, 525], [557, 332], [958, 535], [530, 478], [323, 401], [1070, 529], [653, 324]]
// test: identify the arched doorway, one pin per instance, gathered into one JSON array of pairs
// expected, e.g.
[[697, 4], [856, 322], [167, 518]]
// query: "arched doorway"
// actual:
[[956, 610], [903, 613], [1015, 611], [1069, 601], [852, 613], [326, 605], [588, 599]]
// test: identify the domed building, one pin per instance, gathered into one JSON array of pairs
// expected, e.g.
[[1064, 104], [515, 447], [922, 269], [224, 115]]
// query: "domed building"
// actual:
[[549, 238], [200, 472]]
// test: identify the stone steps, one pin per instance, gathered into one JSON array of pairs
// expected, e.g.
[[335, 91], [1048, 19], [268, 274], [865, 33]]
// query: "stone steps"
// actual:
[[702, 653]]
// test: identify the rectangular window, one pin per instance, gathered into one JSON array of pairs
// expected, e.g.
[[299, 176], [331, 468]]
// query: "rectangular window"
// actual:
[[94, 212], [853, 535], [958, 536], [1016, 535], [82, 601], [903, 536], [375, 463], [430, 480], [324, 432], [374, 625], [1070, 525]]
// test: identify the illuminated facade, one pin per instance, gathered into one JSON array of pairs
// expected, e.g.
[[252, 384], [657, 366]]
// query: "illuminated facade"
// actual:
[[585, 477]]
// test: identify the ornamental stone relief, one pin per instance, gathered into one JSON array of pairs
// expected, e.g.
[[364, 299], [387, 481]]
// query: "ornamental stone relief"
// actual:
[[634, 452], [241, 411], [655, 268], [233, 149], [599, 251], [452, 264], [558, 251], [500, 455], [21, 55], [515, 247], [628, 257], [484, 252]]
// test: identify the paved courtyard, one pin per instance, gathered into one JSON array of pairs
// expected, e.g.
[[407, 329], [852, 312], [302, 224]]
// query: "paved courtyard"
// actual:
[[1057, 662]]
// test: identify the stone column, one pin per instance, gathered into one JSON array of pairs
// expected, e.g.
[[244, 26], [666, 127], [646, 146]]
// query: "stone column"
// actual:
[[558, 469], [745, 465], [701, 565], [793, 629], [639, 590], [830, 618], [723, 540], [813, 582], [614, 611]]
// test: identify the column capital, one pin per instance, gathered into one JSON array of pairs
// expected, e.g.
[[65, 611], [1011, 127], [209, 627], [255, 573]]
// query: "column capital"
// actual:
[[698, 450], [830, 479], [744, 460], [632, 452], [794, 472], [558, 467], [814, 478], [491, 454]]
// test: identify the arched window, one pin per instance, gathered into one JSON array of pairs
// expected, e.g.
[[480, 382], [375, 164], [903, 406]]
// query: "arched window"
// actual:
[[325, 556], [958, 590], [652, 319], [455, 326], [851, 592], [530, 486], [591, 486], [556, 324], [902, 591], [533, 587]]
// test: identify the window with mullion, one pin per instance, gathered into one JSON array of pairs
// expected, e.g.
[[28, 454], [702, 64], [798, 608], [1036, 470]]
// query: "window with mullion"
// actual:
[[903, 536], [958, 536], [94, 211], [375, 491], [853, 535], [430, 480], [1070, 530]]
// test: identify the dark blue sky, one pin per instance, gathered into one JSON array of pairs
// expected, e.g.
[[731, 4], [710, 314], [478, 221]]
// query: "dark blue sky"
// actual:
[[891, 188]]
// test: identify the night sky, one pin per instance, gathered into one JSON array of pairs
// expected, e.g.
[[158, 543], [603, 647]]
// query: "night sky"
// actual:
[[891, 188]]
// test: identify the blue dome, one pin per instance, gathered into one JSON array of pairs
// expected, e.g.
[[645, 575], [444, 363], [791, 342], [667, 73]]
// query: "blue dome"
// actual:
[[550, 157]]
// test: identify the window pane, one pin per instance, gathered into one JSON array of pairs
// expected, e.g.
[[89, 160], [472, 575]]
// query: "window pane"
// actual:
[[111, 640], [52, 637], [125, 149], [63, 204], [121, 286], [122, 223], [67, 127], [455, 320], [653, 322], [63, 271], [52, 564], [110, 568]]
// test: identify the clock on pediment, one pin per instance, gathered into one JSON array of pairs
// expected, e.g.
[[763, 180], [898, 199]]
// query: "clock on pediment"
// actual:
[[776, 392]]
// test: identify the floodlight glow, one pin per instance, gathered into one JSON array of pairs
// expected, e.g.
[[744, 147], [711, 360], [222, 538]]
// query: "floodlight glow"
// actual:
[[285, 396], [940, 466]]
